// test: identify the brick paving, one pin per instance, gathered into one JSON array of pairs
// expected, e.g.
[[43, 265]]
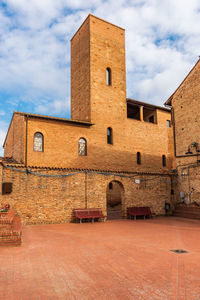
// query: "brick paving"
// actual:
[[122, 259]]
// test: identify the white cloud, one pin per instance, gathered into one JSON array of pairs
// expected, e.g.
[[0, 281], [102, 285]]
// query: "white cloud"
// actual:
[[55, 106], [162, 44]]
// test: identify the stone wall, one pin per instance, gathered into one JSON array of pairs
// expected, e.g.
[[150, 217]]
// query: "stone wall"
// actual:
[[96, 46], [129, 137], [186, 107], [39, 199], [80, 74], [188, 179], [186, 118]]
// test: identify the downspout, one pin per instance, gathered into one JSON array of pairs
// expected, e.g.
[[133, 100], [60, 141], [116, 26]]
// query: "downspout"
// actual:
[[86, 189], [189, 191], [174, 133], [2, 175], [26, 140]]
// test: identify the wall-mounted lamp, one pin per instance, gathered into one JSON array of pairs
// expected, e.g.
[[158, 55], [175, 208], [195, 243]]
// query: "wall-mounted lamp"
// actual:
[[188, 152], [194, 145]]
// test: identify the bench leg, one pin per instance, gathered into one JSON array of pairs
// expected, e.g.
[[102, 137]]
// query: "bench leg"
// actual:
[[92, 220], [80, 220], [134, 217], [144, 217]]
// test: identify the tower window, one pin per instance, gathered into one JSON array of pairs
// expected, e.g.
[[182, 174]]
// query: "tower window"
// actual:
[[108, 76], [38, 142], [110, 186], [109, 135], [82, 147], [138, 158], [164, 161], [168, 123], [149, 115]]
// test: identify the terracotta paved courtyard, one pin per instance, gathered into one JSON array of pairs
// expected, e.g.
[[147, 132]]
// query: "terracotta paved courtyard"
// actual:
[[123, 259]]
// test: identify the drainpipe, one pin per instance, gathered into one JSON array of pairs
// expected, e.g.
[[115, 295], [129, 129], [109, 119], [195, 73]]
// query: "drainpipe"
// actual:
[[85, 189], [189, 191], [26, 140], [2, 175]]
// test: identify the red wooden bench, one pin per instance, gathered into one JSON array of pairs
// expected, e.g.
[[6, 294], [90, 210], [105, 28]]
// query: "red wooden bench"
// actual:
[[89, 213], [139, 211]]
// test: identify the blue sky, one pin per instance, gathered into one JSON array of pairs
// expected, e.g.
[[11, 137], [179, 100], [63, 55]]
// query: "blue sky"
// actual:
[[162, 45]]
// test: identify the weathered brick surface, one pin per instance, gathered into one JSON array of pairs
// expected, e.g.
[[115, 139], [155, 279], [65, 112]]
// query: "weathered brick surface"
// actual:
[[15, 141], [61, 145], [96, 46], [186, 106], [80, 74], [188, 179], [52, 200]]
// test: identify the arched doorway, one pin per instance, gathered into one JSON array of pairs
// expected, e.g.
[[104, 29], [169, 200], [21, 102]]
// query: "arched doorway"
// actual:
[[114, 196]]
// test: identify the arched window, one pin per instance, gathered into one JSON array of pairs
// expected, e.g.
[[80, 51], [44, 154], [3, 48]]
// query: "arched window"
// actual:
[[108, 76], [138, 158], [164, 163], [38, 142], [82, 147], [109, 135]]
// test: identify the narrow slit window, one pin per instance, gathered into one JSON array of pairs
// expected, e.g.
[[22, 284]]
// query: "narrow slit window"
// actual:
[[38, 142], [108, 76], [168, 123], [164, 163], [82, 147], [138, 158], [109, 136]]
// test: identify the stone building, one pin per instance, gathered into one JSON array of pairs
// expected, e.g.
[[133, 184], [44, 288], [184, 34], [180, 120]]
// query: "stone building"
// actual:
[[185, 106], [113, 153]]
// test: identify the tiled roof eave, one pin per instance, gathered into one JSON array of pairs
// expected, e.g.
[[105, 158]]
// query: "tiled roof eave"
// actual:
[[22, 166]]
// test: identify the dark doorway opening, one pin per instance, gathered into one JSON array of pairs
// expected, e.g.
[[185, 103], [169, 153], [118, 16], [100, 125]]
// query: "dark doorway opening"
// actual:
[[114, 196]]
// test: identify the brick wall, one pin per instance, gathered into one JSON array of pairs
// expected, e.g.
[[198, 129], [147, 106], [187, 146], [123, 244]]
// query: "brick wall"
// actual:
[[51, 200], [186, 107], [80, 74], [14, 143], [188, 171], [61, 145], [96, 46]]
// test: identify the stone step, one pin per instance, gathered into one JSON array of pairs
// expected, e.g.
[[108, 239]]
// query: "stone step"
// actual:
[[9, 242], [187, 212], [192, 209], [114, 214], [7, 218], [10, 235]]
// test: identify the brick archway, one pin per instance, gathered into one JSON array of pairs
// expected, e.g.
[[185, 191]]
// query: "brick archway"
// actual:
[[114, 200]]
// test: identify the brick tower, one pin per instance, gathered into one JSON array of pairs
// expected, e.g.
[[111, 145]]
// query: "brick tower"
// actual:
[[98, 75]]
